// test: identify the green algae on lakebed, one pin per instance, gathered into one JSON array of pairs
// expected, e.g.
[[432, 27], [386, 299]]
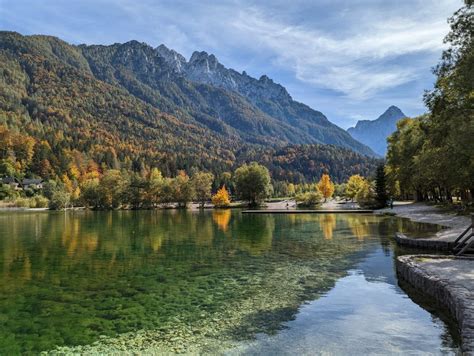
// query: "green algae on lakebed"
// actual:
[[171, 281]]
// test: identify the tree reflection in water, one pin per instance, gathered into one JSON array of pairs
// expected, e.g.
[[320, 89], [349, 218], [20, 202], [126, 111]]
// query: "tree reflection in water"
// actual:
[[67, 278]]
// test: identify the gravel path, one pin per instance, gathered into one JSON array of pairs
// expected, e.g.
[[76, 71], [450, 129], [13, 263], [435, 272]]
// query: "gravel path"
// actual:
[[431, 214], [331, 204]]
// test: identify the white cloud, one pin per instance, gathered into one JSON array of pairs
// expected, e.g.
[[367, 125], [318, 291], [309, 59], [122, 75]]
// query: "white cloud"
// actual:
[[338, 56], [359, 64]]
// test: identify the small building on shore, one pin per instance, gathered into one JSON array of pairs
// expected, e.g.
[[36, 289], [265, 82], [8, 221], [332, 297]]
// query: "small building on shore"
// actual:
[[27, 183], [32, 183], [12, 182]]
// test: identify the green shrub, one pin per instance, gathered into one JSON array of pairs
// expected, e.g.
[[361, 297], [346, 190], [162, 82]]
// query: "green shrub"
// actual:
[[7, 192], [41, 201], [59, 200], [309, 199], [22, 202]]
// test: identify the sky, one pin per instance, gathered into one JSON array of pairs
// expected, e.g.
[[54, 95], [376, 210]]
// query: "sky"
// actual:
[[349, 59]]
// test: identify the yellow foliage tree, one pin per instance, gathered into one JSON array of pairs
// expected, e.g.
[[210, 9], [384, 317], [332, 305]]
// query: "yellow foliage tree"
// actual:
[[354, 184], [221, 199], [291, 190], [325, 186], [76, 193], [74, 171], [68, 184]]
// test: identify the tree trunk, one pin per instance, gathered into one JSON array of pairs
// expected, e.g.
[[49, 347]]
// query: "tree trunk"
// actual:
[[449, 198]]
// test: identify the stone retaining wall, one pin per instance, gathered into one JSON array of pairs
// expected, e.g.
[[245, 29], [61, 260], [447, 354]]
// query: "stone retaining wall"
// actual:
[[430, 244], [455, 297]]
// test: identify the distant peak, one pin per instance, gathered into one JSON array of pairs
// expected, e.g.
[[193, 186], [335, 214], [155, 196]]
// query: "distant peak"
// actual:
[[167, 52], [204, 61], [393, 110], [198, 56], [264, 78], [135, 43], [374, 133], [173, 58]]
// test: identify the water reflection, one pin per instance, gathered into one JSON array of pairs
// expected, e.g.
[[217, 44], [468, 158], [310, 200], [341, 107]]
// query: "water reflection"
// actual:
[[252, 233], [222, 218], [328, 224], [67, 278]]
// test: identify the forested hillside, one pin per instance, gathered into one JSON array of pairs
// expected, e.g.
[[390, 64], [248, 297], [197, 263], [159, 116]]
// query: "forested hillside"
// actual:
[[76, 114], [57, 113], [302, 163]]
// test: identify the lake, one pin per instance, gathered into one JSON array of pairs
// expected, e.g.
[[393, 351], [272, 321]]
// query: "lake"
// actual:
[[211, 282]]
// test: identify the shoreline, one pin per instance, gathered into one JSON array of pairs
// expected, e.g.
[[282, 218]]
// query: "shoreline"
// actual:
[[280, 205], [308, 211], [448, 279], [453, 225]]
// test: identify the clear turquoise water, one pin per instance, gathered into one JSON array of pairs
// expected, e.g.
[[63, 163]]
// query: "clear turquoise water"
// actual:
[[211, 282]]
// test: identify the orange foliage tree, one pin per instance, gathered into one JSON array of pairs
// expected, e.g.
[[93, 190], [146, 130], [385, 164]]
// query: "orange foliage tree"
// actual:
[[326, 187], [221, 199]]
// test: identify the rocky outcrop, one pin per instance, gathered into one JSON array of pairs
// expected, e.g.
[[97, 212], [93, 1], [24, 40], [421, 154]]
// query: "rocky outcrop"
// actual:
[[175, 60]]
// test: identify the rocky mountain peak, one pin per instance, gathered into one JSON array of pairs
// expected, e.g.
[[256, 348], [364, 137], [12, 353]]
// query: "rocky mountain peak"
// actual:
[[265, 79], [392, 112], [374, 133], [172, 58], [208, 62], [205, 68]]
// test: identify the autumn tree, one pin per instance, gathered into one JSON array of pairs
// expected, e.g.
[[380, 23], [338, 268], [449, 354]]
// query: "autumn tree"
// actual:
[[354, 184], [291, 190], [325, 186], [154, 187], [23, 146], [202, 183], [221, 199]]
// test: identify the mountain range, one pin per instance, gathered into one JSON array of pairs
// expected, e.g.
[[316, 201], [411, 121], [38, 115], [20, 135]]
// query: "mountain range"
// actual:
[[374, 133], [222, 99], [136, 103]]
